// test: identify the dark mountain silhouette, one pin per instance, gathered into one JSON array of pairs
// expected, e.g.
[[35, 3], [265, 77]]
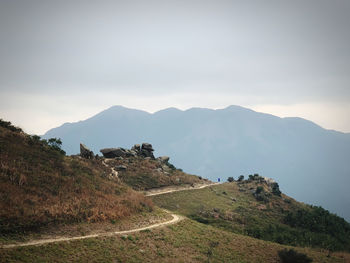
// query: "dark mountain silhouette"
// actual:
[[310, 163]]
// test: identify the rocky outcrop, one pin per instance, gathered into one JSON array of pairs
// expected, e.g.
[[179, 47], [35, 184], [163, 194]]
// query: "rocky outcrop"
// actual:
[[113, 152], [85, 152], [147, 150]]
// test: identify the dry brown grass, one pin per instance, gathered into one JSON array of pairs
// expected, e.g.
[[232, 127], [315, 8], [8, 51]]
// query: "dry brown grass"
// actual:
[[40, 186], [144, 174]]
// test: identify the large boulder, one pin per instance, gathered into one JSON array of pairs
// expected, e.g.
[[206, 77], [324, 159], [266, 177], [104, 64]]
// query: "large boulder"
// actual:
[[147, 146], [113, 152], [147, 150], [85, 152]]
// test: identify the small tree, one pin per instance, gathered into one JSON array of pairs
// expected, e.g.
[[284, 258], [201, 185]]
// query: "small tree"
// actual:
[[230, 179], [240, 178], [251, 177], [55, 144]]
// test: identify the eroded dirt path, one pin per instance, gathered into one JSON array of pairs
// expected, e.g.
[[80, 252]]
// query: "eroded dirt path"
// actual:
[[175, 219], [171, 189]]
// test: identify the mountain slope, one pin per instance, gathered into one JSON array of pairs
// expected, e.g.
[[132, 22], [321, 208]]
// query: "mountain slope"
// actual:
[[255, 207], [310, 163], [40, 186], [187, 241]]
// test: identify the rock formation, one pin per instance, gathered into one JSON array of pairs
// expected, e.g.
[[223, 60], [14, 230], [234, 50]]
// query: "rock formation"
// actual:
[[145, 150], [85, 152]]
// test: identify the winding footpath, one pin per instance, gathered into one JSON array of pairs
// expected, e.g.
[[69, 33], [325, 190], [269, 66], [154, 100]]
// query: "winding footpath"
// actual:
[[174, 220]]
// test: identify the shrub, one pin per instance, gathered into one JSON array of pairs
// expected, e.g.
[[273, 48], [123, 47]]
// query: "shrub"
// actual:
[[240, 178], [259, 189], [292, 256], [56, 144], [230, 179], [260, 194], [276, 189]]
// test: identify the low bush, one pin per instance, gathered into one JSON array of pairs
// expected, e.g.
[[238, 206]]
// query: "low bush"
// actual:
[[292, 256]]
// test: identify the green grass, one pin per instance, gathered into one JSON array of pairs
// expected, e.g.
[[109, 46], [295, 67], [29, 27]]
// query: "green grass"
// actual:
[[233, 207], [187, 241]]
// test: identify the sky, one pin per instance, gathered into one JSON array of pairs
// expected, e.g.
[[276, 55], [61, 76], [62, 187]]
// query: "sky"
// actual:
[[64, 61]]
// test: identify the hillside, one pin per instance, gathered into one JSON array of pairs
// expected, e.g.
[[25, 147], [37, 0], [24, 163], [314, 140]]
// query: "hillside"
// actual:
[[229, 142], [187, 241], [40, 186], [256, 207], [85, 208]]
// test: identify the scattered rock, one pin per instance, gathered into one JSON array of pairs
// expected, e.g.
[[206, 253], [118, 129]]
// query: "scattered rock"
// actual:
[[166, 168], [120, 168], [163, 159], [136, 148], [85, 152]]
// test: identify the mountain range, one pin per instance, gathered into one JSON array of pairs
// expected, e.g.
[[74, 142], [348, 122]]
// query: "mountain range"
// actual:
[[310, 163]]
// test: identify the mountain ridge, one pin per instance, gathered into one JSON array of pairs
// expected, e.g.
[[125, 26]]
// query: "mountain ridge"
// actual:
[[310, 162]]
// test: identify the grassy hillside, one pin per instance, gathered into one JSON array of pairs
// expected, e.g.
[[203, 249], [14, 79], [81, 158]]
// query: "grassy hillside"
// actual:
[[187, 241], [144, 174], [39, 186], [236, 207]]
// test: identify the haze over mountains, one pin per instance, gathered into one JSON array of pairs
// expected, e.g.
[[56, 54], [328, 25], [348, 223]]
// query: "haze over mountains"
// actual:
[[310, 163]]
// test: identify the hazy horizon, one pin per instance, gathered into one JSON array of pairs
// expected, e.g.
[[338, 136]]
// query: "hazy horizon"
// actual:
[[185, 109], [64, 61]]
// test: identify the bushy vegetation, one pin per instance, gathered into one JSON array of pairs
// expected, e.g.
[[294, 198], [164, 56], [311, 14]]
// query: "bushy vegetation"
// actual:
[[39, 185], [276, 189], [8, 125], [292, 256], [318, 220]]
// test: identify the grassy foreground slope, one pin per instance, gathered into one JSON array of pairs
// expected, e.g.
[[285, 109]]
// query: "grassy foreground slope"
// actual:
[[187, 241], [39, 186], [236, 207]]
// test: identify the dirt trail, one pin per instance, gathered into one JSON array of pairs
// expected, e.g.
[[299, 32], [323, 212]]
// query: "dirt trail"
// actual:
[[175, 219], [171, 189]]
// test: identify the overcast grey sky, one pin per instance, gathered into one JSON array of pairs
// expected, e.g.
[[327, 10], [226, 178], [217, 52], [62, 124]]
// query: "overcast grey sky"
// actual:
[[67, 60]]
